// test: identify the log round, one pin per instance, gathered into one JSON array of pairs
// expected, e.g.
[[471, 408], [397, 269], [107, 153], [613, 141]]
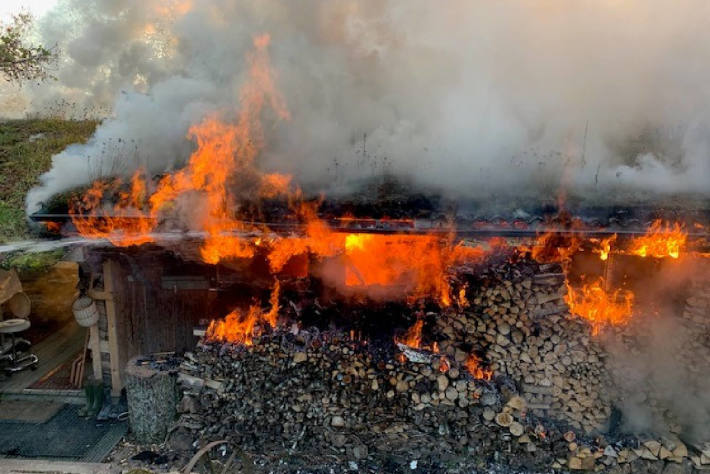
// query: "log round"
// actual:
[[152, 401]]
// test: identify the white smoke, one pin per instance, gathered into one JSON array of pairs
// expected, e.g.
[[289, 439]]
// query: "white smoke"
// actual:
[[609, 98], [659, 361]]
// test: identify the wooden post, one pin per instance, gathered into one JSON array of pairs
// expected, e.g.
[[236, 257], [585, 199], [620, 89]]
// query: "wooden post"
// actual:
[[95, 350], [608, 272], [116, 383]]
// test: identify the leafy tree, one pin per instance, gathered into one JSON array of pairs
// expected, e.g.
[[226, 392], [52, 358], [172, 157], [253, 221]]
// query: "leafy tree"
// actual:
[[18, 59]]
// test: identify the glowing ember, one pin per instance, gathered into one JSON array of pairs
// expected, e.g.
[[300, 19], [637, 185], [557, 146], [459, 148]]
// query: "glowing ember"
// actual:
[[53, 226], [473, 365], [444, 365], [601, 308], [239, 328], [461, 300], [661, 240]]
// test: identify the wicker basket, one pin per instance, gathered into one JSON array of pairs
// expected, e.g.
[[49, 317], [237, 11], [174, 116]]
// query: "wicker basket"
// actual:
[[85, 311]]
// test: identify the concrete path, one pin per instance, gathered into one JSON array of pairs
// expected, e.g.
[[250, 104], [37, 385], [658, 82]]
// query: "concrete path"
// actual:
[[23, 466]]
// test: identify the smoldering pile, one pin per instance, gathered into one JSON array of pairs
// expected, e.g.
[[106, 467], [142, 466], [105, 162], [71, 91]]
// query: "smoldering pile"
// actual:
[[324, 399]]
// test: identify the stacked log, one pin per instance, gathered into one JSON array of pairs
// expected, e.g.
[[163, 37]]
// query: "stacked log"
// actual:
[[323, 399], [520, 322]]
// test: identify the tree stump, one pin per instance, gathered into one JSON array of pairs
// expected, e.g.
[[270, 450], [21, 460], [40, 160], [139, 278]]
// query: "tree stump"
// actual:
[[152, 401]]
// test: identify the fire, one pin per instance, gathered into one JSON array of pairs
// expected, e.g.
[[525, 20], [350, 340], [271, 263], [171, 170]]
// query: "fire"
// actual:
[[605, 247], [209, 193], [599, 306], [387, 260], [383, 261], [661, 240], [473, 365], [238, 328], [224, 157], [557, 245], [461, 300], [53, 226], [274, 185], [444, 365], [125, 223], [413, 336]]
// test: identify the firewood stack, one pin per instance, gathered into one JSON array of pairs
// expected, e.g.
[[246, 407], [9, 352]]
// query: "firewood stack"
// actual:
[[322, 398], [520, 322]]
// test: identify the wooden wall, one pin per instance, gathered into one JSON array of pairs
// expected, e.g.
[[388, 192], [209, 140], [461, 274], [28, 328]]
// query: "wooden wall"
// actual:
[[144, 311]]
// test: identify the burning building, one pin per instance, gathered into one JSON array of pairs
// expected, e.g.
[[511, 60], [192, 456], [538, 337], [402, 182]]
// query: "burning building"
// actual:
[[394, 328]]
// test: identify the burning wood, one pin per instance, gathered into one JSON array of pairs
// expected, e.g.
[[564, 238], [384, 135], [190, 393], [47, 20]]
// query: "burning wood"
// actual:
[[600, 307], [512, 346], [662, 240]]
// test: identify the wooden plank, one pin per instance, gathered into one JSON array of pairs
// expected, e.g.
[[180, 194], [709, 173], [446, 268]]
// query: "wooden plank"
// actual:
[[116, 383], [54, 350], [104, 347], [95, 344], [100, 295], [12, 466]]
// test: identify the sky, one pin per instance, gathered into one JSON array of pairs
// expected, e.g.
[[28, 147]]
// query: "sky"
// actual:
[[36, 7]]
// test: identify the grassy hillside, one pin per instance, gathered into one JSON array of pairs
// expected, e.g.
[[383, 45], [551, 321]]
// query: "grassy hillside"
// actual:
[[26, 149]]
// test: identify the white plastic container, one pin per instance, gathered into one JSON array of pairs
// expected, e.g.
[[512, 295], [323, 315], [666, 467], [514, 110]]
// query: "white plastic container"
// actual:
[[85, 311]]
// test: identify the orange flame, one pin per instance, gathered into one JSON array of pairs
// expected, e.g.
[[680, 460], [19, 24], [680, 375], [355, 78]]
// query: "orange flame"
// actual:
[[473, 365], [444, 365], [461, 300], [413, 336], [387, 260], [221, 174], [224, 156], [601, 308], [379, 260], [605, 247], [124, 224], [661, 240], [53, 226], [238, 328], [557, 245]]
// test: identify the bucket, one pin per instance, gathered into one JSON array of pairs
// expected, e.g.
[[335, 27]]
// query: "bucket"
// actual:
[[85, 311]]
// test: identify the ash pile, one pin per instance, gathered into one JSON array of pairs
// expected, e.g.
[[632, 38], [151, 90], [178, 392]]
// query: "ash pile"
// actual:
[[506, 380]]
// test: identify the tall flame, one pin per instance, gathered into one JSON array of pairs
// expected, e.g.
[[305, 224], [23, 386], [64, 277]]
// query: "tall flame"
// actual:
[[221, 173], [225, 154]]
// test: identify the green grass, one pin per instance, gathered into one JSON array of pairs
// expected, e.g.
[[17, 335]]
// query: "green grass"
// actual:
[[28, 265], [22, 162]]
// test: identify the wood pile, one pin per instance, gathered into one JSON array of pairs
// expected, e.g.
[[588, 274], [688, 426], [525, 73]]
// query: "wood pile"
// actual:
[[320, 398], [520, 323]]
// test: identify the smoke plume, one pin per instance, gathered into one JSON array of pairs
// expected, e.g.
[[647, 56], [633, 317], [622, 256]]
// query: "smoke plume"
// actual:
[[659, 363], [474, 98]]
